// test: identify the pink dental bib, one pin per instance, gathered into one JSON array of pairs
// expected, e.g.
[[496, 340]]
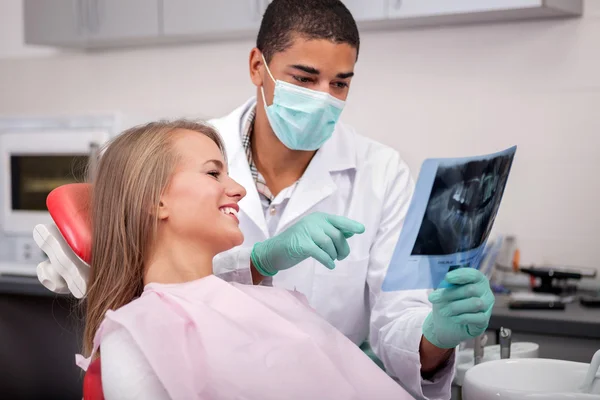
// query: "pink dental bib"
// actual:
[[209, 339]]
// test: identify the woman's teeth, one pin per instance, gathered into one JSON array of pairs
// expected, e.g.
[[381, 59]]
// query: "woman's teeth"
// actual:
[[229, 210]]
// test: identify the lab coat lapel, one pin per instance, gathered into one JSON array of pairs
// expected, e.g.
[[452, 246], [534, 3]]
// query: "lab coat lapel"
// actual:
[[337, 154], [315, 185]]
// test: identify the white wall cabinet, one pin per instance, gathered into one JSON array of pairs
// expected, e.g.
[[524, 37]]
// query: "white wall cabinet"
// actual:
[[54, 22], [115, 23], [211, 18], [440, 12], [420, 8], [373, 10], [90, 23], [122, 19]]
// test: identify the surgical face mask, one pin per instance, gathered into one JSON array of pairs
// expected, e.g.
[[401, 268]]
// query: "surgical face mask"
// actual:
[[302, 119]]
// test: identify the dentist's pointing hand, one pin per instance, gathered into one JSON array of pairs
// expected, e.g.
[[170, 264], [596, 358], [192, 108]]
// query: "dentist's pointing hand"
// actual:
[[318, 235]]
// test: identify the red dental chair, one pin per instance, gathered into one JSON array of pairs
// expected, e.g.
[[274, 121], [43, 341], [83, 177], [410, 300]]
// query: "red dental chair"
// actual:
[[68, 245]]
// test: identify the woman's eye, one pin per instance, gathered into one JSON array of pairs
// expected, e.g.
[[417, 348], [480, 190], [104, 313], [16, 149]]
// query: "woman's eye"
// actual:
[[215, 174]]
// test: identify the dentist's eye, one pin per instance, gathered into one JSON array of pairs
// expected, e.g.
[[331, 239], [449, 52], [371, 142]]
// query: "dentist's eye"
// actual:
[[340, 85], [302, 79]]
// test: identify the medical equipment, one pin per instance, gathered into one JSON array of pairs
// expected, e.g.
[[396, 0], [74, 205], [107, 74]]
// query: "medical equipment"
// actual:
[[590, 301], [466, 357], [479, 348], [67, 242], [536, 305], [554, 279], [70, 237], [505, 342]]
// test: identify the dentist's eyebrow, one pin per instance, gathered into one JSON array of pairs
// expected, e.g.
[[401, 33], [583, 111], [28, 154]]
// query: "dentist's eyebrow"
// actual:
[[314, 71], [345, 75], [306, 68]]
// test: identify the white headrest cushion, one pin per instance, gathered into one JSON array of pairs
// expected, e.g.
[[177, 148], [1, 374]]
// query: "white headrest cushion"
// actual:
[[64, 268]]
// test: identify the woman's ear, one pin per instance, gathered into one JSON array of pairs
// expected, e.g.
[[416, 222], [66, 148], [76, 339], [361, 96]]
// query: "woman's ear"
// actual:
[[162, 211]]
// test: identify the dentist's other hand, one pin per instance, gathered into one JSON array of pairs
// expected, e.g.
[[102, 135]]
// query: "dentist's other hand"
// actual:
[[318, 235], [461, 311]]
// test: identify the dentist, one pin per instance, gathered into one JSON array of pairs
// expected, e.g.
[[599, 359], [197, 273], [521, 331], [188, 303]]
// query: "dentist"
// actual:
[[316, 189]]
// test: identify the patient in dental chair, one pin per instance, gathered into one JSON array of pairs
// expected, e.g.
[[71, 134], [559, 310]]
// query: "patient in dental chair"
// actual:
[[162, 207]]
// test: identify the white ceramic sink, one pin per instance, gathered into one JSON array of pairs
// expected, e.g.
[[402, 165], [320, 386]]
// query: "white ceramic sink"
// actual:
[[529, 379], [465, 358]]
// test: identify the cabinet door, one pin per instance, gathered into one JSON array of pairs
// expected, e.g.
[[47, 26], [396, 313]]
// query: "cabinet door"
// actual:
[[54, 22], [205, 17], [122, 19], [421, 8], [367, 10]]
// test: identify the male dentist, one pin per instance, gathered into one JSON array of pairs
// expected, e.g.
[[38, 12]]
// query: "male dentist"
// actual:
[[317, 189]]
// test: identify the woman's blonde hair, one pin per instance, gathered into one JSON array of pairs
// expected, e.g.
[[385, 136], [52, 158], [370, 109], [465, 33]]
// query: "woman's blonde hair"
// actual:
[[130, 177]]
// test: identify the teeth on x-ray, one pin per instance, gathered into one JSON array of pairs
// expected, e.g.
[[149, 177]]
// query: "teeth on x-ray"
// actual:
[[449, 219], [464, 198]]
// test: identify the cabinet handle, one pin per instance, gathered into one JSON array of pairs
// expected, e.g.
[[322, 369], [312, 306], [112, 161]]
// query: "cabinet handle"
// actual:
[[80, 11], [94, 16]]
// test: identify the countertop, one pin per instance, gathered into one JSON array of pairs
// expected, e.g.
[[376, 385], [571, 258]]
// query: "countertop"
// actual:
[[24, 286], [574, 321], [21, 279]]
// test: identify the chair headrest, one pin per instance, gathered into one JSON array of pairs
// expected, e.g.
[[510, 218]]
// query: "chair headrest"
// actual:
[[69, 207]]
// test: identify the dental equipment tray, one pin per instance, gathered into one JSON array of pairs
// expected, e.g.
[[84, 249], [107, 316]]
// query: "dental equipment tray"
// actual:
[[548, 275]]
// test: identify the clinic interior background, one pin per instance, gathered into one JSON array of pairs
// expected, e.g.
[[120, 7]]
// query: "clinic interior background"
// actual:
[[428, 92]]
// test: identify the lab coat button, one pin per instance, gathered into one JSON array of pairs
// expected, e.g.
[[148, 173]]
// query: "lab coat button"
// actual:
[[273, 211]]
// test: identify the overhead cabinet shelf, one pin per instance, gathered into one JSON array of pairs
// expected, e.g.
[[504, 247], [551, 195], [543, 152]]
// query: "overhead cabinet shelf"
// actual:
[[118, 23]]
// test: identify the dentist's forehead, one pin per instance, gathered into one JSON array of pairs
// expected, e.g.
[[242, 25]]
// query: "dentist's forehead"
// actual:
[[319, 54]]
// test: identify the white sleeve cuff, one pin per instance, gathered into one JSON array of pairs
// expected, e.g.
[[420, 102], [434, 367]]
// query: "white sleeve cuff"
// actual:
[[234, 266], [402, 360]]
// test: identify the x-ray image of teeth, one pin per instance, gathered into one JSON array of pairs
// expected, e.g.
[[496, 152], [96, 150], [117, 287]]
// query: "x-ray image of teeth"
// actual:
[[463, 201], [449, 219]]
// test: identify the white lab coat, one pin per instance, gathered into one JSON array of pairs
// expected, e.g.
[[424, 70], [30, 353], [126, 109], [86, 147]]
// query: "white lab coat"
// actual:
[[366, 181]]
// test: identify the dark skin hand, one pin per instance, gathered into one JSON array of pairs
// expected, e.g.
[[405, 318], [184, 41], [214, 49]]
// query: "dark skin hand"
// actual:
[[434, 359], [257, 278]]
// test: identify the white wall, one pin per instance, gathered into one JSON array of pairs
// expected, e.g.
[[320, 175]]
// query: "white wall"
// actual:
[[428, 92]]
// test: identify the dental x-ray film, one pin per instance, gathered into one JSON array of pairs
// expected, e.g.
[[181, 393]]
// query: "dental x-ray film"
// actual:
[[449, 220]]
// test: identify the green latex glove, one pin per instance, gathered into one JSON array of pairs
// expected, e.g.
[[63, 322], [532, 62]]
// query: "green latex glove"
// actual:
[[318, 235], [460, 311]]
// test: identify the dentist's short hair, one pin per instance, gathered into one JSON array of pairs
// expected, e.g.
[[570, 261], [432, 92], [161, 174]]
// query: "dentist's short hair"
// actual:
[[311, 19]]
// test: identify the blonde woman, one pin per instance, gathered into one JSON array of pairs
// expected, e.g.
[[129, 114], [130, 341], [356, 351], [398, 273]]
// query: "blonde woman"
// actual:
[[163, 206]]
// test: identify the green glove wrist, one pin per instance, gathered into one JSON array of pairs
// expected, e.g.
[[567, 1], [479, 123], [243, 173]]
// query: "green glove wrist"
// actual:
[[257, 264]]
